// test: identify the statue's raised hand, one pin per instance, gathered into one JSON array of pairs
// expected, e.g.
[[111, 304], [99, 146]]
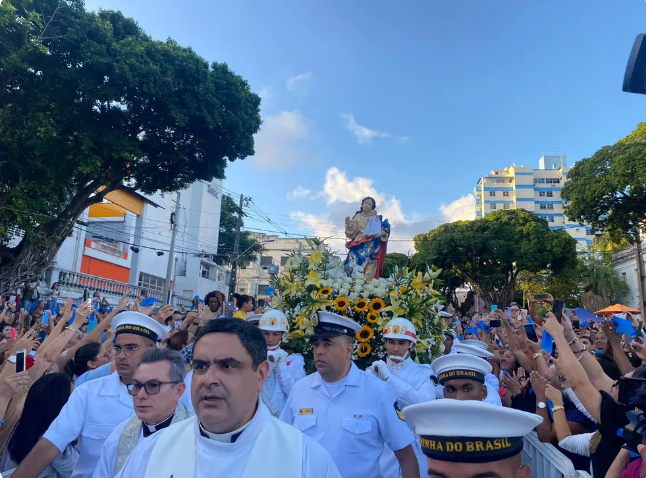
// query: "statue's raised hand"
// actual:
[[348, 221]]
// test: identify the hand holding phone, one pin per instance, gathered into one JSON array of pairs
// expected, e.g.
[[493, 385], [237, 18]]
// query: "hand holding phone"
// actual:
[[540, 296], [495, 323], [21, 360], [557, 309], [494, 307], [45, 318]]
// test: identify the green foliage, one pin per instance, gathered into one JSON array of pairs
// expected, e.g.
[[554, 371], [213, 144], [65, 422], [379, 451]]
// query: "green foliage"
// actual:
[[608, 190], [89, 101], [249, 247], [605, 246], [601, 279], [490, 252], [393, 261]]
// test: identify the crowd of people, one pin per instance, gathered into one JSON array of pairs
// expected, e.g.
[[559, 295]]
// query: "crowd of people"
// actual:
[[145, 390]]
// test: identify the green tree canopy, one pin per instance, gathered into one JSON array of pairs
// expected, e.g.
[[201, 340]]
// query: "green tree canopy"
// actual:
[[95, 104], [489, 253]]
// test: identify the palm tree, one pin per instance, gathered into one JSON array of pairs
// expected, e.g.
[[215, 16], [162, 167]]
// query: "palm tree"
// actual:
[[602, 285]]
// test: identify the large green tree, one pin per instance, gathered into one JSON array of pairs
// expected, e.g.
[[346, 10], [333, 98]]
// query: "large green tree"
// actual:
[[489, 253], [94, 104]]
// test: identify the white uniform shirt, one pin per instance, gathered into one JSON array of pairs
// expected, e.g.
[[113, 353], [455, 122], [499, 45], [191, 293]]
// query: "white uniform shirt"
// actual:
[[93, 410], [296, 366], [278, 385], [105, 469], [411, 384], [352, 425], [218, 459]]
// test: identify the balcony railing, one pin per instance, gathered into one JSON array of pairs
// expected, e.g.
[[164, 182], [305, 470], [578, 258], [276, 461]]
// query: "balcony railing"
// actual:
[[77, 282]]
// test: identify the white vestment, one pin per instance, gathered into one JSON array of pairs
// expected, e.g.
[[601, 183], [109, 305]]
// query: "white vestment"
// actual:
[[182, 451]]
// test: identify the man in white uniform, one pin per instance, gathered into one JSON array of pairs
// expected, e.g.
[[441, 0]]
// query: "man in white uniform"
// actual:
[[233, 435], [95, 408], [409, 381], [274, 325], [351, 413], [478, 348], [469, 439], [462, 376], [157, 387]]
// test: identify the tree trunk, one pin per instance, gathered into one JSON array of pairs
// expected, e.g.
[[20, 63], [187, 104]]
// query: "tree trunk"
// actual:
[[593, 302], [35, 254]]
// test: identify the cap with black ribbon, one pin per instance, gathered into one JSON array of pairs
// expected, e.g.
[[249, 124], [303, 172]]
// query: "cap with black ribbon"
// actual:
[[138, 324], [327, 324], [469, 431], [460, 367]]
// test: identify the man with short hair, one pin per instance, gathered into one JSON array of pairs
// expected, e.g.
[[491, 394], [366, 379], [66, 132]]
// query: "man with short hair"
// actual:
[[156, 389], [514, 310], [351, 413], [95, 408], [449, 338], [478, 348], [462, 376], [233, 435], [468, 438]]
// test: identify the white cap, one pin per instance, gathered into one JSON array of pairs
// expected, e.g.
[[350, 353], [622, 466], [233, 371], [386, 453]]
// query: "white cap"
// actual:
[[327, 324], [400, 328], [474, 350], [129, 322], [477, 343], [274, 320], [451, 332], [469, 431], [460, 366], [254, 318]]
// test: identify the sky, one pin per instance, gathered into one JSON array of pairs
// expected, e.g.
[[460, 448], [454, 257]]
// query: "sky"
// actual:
[[409, 102]]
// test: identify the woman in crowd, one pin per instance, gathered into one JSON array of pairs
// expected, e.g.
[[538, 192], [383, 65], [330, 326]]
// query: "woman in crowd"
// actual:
[[44, 401], [88, 357]]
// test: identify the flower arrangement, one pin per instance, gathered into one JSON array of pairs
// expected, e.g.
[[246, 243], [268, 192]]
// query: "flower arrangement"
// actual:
[[318, 283]]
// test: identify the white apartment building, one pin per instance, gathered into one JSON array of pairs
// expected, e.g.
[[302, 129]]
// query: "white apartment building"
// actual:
[[536, 190]]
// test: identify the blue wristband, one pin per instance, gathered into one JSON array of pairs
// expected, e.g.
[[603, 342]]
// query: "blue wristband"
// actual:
[[1, 422]]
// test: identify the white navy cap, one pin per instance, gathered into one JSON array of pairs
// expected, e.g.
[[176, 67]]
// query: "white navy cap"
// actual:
[[451, 332], [476, 343], [460, 367], [327, 324], [474, 350], [254, 318], [130, 322], [469, 431]]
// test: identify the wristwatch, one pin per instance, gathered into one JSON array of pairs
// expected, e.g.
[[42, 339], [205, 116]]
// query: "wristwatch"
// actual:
[[541, 405], [12, 359], [556, 408]]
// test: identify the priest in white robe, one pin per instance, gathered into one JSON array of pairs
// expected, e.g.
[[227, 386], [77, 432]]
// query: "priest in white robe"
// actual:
[[156, 389], [233, 434]]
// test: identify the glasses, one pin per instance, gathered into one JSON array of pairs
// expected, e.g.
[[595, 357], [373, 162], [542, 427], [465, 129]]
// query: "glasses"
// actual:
[[128, 350], [151, 388]]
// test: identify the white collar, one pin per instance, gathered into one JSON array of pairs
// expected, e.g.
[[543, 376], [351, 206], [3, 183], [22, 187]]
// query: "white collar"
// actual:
[[399, 365]]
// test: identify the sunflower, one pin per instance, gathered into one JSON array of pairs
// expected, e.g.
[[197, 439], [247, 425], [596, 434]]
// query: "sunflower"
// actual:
[[341, 303], [325, 291], [377, 304], [365, 334], [373, 318], [364, 350], [360, 305]]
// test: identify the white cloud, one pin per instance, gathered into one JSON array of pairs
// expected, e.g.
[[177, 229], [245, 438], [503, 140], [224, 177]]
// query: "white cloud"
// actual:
[[265, 94], [364, 134], [293, 82], [462, 209], [299, 193], [277, 143]]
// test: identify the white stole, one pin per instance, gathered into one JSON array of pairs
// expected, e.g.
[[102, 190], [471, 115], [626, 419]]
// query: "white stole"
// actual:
[[276, 453]]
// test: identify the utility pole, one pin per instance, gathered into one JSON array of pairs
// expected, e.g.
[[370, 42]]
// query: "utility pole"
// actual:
[[171, 254], [236, 252], [640, 274]]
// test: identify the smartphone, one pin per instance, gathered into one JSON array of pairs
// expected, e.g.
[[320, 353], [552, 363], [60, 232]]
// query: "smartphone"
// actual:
[[45, 318], [12, 299], [13, 333], [640, 327], [576, 324], [230, 306], [21, 357], [91, 325], [508, 312], [632, 391], [42, 335], [531, 333], [557, 309], [494, 307], [540, 297], [89, 301], [177, 324], [495, 323]]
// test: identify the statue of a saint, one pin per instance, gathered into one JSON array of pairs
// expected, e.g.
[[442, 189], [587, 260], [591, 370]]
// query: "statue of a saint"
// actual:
[[367, 234]]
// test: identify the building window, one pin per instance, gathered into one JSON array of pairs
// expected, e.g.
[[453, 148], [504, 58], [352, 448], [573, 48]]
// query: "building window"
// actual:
[[151, 282], [543, 206], [505, 194], [492, 194], [283, 261], [541, 194], [550, 194], [265, 261], [588, 232], [506, 206], [493, 207], [623, 277], [550, 219], [550, 206], [539, 180]]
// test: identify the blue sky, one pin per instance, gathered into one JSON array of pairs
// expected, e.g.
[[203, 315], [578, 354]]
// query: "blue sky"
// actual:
[[410, 101]]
